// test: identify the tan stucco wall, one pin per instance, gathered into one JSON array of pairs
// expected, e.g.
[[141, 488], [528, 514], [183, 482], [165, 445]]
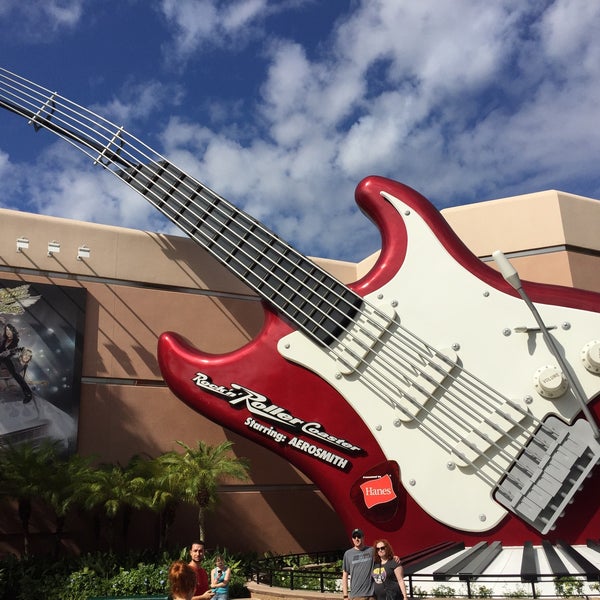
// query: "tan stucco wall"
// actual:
[[550, 236]]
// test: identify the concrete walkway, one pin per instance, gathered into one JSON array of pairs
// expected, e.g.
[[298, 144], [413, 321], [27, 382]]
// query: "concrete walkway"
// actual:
[[261, 591]]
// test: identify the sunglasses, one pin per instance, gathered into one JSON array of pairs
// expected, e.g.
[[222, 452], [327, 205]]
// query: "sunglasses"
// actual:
[[380, 548]]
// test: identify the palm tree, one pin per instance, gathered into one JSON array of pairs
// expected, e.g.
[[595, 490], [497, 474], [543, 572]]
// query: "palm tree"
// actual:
[[163, 502], [64, 480], [115, 490], [194, 475], [24, 471]]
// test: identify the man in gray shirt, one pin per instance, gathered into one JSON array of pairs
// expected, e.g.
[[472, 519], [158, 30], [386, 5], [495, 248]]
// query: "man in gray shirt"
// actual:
[[357, 566]]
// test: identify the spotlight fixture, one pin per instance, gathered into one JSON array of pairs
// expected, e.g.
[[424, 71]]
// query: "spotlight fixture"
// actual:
[[53, 248], [22, 244], [83, 252]]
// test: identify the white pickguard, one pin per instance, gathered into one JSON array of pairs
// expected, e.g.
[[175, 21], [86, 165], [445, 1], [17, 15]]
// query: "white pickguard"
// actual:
[[445, 305]]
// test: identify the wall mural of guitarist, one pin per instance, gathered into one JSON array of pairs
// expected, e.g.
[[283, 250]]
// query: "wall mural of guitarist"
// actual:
[[41, 333], [430, 401]]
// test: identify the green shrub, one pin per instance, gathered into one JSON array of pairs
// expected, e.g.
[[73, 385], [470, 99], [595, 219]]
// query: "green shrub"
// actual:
[[520, 592], [102, 574], [568, 586], [482, 591], [145, 579], [419, 592], [443, 591], [84, 584]]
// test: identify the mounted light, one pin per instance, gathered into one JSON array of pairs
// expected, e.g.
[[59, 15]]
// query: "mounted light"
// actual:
[[22, 244], [53, 248], [83, 252]]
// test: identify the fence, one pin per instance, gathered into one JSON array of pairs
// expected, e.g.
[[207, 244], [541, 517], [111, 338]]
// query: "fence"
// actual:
[[321, 572]]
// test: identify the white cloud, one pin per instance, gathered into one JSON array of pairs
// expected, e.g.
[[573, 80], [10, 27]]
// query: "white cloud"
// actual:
[[193, 21], [3, 162], [10, 177], [38, 19], [568, 30], [237, 15], [137, 101], [199, 24], [289, 82]]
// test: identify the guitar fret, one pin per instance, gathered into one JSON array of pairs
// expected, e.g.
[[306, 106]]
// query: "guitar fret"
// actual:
[[309, 297]]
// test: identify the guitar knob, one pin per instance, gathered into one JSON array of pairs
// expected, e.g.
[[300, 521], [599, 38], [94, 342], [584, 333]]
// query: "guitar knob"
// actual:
[[590, 356], [550, 382]]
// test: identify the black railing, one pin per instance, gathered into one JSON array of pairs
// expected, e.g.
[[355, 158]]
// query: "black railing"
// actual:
[[322, 572], [318, 571]]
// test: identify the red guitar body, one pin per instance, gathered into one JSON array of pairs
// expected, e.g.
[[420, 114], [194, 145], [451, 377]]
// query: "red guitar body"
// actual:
[[345, 466]]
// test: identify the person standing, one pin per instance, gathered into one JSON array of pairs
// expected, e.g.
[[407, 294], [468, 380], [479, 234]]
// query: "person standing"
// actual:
[[8, 348], [202, 592], [219, 579], [182, 580], [387, 574], [356, 569]]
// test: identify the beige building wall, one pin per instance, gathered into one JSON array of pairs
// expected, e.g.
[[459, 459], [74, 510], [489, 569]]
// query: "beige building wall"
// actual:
[[551, 237], [140, 284]]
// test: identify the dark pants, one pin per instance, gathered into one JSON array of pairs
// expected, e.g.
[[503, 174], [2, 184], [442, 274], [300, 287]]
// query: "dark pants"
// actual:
[[8, 363]]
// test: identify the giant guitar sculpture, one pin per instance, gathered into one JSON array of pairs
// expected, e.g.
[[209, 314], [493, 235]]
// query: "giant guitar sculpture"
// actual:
[[428, 400]]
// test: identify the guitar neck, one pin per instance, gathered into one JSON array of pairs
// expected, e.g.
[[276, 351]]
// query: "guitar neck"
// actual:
[[308, 296], [303, 293]]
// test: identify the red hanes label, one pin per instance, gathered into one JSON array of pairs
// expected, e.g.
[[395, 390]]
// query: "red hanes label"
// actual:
[[378, 491]]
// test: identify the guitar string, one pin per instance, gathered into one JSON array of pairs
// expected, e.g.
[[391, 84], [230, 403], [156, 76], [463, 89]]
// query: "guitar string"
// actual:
[[478, 409], [451, 416], [456, 418], [393, 358], [475, 398], [450, 413]]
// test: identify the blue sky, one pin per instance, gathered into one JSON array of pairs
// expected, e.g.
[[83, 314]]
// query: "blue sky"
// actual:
[[283, 106]]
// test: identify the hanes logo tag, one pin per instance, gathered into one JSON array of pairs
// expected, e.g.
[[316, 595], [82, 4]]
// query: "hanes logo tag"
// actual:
[[378, 491]]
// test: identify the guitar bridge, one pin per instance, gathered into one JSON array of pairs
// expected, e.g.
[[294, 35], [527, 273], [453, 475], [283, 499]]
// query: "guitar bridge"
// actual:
[[548, 472]]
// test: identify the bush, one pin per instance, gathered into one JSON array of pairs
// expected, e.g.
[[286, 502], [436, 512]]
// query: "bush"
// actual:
[[443, 591], [145, 579], [84, 584], [482, 591], [568, 586], [100, 574]]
